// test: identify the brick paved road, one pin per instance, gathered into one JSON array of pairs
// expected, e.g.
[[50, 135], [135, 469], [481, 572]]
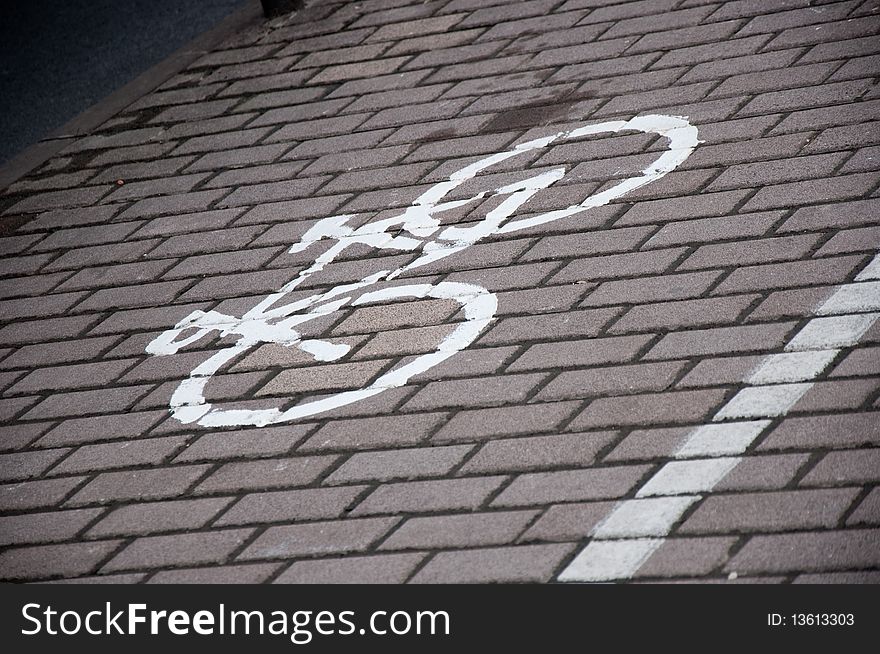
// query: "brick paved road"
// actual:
[[622, 418]]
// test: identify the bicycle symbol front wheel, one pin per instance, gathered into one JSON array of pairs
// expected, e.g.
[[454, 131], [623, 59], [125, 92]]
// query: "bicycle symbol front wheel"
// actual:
[[188, 403]]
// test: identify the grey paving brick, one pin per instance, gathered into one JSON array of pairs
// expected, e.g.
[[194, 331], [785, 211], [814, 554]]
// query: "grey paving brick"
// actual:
[[36, 494], [45, 561], [155, 187], [567, 522], [618, 380], [761, 512], [619, 265], [291, 210], [868, 510], [751, 252], [681, 407], [74, 237], [676, 209], [586, 60], [538, 452], [407, 29], [131, 578], [156, 517], [52, 305], [140, 452], [11, 407], [171, 204], [291, 506], [790, 303], [140, 295], [587, 352], [686, 556], [841, 49], [860, 362], [100, 255], [111, 426], [537, 488], [826, 216], [116, 275], [155, 483], [766, 472], [356, 70], [318, 128], [570, 324], [132, 153], [425, 131], [469, 530], [318, 538], [181, 549], [547, 299], [427, 496], [175, 96], [573, 245], [652, 289], [18, 436], [842, 187], [844, 468], [747, 175], [323, 378], [686, 314], [357, 159], [227, 574], [782, 20], [376, 569], [863, 160], [256, 85], [844, 430], [470, 363], [268, 473], [833, 116], [445, 56], [222, 262], [119, 139], [25, 465], [647, 444], [482, 424], [736, 66], [44, 527], [372, 433], [270, 191], [31, 286], [524, 563], [780, 275], [862, 577], [256, 174], [77, 403], [808, 552], [250, 443], [239, 157], [208, 126], [669, 20], [836, 396], [261, 281], [721, 340], [479, 391], [412, 463]]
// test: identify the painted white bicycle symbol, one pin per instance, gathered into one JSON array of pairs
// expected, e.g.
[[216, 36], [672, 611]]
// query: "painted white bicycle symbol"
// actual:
[[410, 231]]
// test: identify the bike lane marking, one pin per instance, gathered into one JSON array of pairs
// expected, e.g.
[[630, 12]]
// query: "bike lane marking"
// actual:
[[627, 537], [188, 403]]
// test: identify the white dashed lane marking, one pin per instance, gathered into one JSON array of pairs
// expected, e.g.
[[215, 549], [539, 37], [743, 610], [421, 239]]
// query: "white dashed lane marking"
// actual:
[[619, 546]]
